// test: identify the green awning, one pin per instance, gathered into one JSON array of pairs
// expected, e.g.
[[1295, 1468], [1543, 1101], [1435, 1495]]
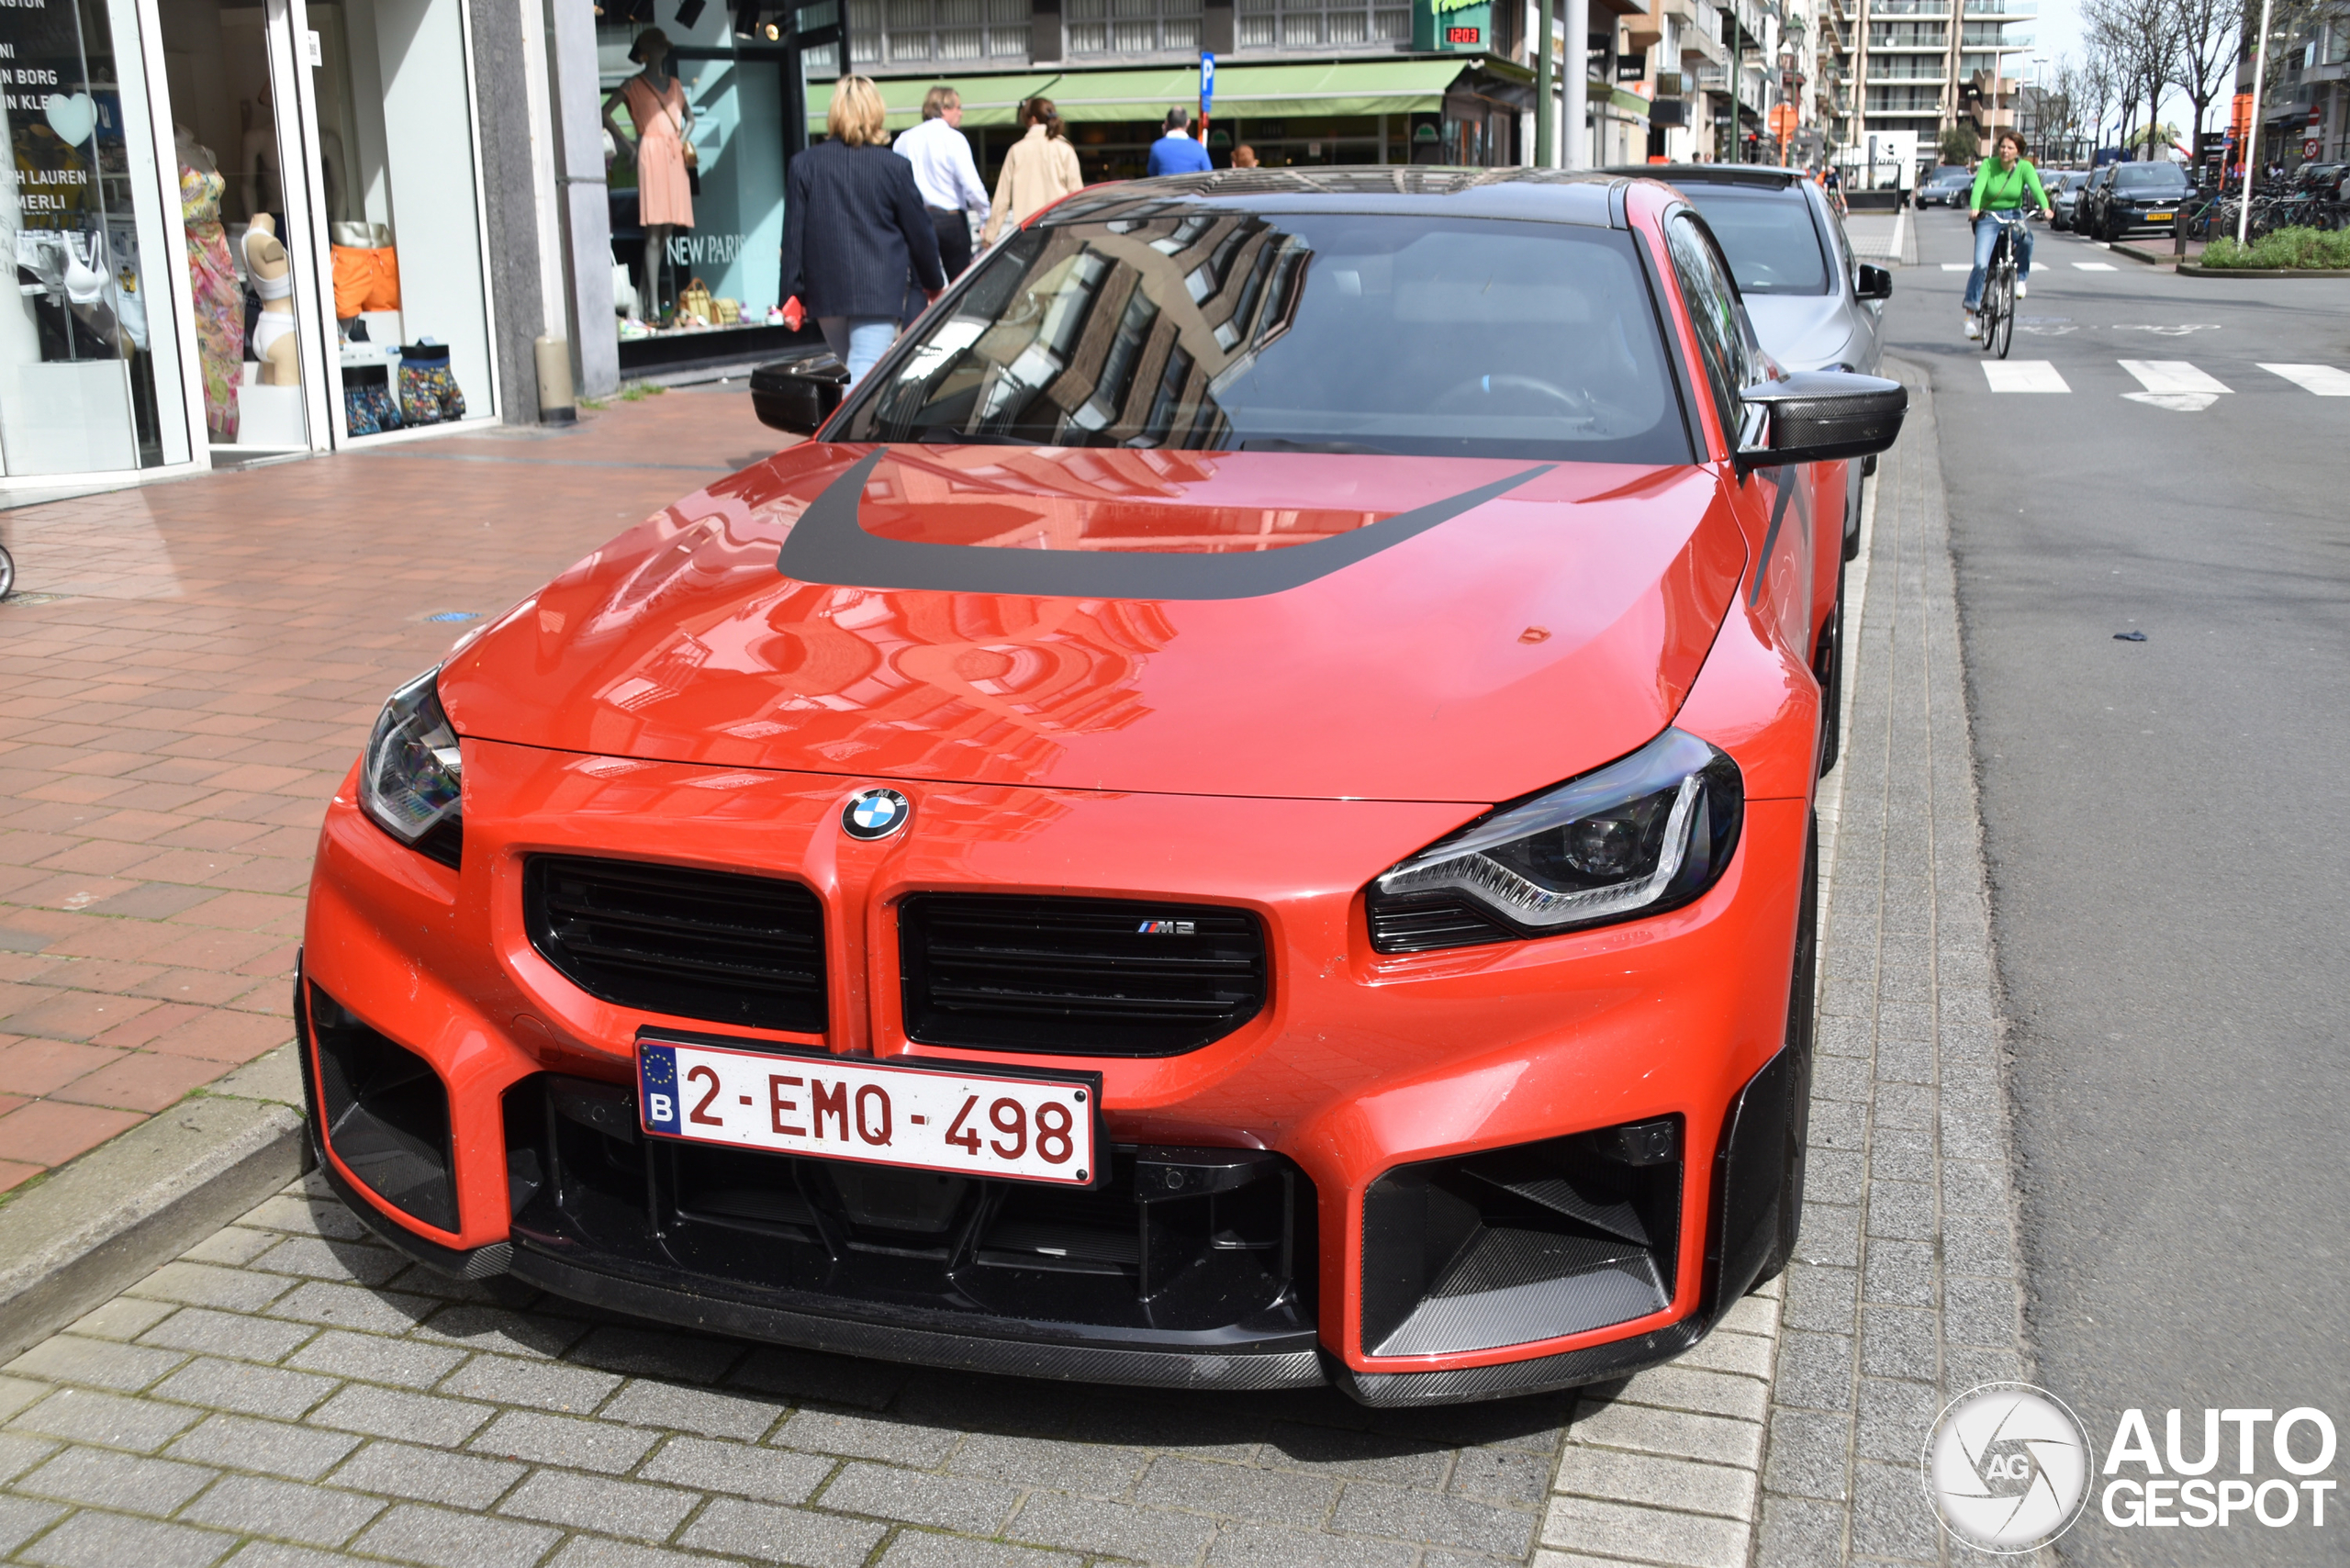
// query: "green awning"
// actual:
[[986, 100], [1260, 91], [1242, 92]]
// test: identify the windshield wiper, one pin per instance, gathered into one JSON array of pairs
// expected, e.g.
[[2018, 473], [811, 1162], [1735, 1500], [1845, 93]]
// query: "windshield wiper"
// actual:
[[1282, 443]]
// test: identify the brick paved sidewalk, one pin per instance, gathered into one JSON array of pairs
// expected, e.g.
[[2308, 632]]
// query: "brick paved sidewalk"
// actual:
[[171, 730], [292, 1384]]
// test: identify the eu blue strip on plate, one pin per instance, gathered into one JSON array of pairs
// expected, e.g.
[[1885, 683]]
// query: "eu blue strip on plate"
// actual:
[[657, 1073]]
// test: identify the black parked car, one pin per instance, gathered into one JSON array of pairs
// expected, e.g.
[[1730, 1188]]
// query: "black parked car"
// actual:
[[2130, 197], [1947, 186]]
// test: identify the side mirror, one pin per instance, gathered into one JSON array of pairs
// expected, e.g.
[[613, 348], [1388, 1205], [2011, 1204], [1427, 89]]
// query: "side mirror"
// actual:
[[799, 392], [1817, 415], [1875, 283]]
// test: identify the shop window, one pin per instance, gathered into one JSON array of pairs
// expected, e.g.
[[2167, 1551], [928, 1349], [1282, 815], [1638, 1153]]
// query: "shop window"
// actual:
[[1314, 24], [913, 32], [696, 248], [89, 364], [1132, 26]]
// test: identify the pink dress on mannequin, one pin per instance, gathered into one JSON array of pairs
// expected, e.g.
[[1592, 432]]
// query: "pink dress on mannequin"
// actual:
[[662, 194]]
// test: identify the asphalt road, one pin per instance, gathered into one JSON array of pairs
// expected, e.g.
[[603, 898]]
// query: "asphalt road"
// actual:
[[2165, 830]]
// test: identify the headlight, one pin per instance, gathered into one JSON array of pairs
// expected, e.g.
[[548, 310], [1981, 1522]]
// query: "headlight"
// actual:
[[410, 777], [1640, 836]]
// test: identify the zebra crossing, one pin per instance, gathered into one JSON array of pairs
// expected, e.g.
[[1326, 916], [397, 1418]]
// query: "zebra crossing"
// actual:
[[2174, 384]]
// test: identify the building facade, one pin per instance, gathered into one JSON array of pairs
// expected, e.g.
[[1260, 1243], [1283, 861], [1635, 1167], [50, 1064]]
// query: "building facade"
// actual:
[[1925, 66]]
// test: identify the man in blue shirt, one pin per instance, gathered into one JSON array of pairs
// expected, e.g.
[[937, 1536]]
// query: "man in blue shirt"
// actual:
[[1175, 152]]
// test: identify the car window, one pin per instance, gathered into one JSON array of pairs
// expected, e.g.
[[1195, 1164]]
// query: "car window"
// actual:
[[1220, 328], [1713, 313], [1769, 236], [2149, 178]]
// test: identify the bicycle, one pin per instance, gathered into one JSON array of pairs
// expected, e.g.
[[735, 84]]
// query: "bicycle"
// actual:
[[1995, 317]]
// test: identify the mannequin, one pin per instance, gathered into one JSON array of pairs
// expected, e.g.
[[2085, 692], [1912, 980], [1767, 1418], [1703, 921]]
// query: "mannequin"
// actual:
[[273, 343], [657, 102], [265, 192], [212, 278]]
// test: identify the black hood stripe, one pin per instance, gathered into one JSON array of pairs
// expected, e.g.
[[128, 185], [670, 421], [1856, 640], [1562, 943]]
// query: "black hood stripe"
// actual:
[[829, 546]]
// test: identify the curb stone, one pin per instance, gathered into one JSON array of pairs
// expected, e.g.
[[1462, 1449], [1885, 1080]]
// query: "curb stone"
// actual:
[[135, 1203]]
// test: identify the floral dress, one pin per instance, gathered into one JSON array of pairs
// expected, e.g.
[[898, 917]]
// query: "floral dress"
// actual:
[[219, 300]]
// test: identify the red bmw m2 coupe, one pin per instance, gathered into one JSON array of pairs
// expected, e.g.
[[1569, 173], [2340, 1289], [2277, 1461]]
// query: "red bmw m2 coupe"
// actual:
[[1240, 817]]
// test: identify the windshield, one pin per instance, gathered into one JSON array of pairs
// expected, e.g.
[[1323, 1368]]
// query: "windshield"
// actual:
[[1219, 329], [1772, 243], [2150, 177]]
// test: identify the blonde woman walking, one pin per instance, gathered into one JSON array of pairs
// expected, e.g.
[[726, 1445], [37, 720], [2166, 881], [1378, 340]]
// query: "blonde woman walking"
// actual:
[[1038, 169], [853, 228]]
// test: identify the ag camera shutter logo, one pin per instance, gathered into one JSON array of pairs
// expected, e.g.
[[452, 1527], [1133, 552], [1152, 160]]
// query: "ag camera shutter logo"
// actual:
[[2007, 1467]]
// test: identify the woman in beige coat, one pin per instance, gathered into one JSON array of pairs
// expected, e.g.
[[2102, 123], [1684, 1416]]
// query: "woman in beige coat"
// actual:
[[1038, 169]]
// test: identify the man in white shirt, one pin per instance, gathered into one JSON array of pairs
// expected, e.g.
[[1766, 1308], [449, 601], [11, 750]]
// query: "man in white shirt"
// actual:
[[944, 172]]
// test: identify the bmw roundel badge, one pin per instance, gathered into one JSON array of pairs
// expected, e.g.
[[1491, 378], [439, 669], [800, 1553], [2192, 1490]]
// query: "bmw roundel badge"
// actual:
[[876, 813]]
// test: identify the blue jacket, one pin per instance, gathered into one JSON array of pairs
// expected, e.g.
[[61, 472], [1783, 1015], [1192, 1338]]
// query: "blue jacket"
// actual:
[[854, 227], [1179, 155]]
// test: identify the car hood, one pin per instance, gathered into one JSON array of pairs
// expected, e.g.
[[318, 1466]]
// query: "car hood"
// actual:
[[1242, 623], [1803, 332]]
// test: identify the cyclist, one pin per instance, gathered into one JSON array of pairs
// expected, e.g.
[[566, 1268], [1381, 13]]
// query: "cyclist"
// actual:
[[2001, 185]]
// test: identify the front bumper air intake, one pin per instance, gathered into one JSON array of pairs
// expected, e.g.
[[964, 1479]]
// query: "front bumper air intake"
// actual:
[[1522, 1244]]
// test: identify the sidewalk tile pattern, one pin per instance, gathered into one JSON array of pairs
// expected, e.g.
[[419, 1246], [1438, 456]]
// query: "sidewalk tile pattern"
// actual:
[[1906, 1291], [213, 1409], [197, 666]]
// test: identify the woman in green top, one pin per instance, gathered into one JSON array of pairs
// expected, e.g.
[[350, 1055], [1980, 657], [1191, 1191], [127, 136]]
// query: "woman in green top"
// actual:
[[2001, 185]]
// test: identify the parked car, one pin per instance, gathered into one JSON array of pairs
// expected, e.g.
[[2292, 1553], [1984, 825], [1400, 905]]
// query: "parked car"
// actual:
[[1239, 818], [2084, 200], [2136, 196], [2064, 188], [1813, 304], [1948, 186]]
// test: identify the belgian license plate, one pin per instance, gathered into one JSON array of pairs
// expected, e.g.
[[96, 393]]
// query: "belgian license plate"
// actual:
[[949, 1116]]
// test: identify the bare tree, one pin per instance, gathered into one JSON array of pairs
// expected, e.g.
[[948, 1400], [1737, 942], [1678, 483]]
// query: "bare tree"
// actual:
[[2142, 36], [2210, 32], [2098, 89]]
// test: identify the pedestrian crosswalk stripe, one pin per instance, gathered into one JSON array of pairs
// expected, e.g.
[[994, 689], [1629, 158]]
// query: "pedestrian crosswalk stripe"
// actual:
[[2022, 375], [2323, 379], [1958, 266], [2171, 375], [2093, 266]]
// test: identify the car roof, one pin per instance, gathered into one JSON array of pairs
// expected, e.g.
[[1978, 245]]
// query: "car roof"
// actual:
[[1590, 197]]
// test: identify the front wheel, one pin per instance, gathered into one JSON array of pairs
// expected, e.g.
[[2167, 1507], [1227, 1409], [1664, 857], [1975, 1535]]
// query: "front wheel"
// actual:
[[7, 574], [2005, 332]]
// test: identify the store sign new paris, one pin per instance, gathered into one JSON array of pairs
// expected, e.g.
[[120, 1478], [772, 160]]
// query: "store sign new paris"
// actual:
[[1459, 26]]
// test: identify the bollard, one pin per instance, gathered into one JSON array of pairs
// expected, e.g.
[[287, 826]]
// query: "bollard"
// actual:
[[556, 405]]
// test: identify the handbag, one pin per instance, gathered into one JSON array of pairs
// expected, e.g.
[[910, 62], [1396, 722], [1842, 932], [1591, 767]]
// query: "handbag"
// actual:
[[694, 300]]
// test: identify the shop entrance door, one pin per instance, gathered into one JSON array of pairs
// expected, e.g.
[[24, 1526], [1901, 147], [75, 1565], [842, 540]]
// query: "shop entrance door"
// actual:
[[236, 101]]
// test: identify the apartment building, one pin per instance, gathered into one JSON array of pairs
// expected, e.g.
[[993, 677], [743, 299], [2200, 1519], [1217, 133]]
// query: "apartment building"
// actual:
[[1921, 69]]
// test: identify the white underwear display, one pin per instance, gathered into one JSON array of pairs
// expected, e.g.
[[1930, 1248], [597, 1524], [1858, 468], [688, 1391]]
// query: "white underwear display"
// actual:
[[272, 326]]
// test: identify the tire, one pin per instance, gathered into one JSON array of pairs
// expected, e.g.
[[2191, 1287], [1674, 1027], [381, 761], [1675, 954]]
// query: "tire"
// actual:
[[1802, 1021], [2006, 329], [7, 574]]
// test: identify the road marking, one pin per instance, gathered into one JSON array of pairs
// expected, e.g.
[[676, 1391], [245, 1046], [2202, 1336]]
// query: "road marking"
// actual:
[[2323, 379], [1958, 266], [2171, 375], [2022, 375], [2093, 266]]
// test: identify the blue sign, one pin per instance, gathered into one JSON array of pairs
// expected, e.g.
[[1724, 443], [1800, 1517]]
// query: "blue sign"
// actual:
[[1207, 81]]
